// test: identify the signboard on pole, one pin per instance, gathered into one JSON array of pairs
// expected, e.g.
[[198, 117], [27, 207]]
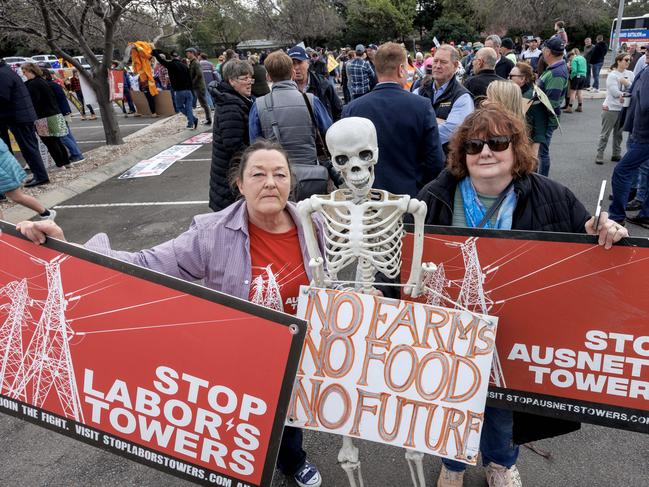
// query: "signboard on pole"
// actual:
[[172, 375], [573, 319], [394, 372]]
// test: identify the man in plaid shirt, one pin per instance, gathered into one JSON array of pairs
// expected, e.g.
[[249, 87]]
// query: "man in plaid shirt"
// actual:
[[360, 74]]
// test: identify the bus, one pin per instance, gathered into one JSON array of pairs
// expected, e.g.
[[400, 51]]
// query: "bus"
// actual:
[[633, 30]]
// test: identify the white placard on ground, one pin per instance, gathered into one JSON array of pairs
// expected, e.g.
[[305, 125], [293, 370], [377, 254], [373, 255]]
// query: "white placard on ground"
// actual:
[[204, 138], [160, 162]]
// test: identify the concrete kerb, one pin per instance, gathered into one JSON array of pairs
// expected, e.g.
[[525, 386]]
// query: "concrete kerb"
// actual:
[[103, 173]]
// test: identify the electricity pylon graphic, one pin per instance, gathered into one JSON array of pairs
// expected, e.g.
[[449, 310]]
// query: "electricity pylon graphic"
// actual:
[[47, 362], [435, 284], [11, 333], [472, 296]]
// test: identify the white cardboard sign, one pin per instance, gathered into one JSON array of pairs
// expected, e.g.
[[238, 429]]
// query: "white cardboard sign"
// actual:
[[160, 162], [396, 372]]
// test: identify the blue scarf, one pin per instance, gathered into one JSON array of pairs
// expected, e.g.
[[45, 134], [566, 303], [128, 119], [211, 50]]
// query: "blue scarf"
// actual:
[[474, 210]]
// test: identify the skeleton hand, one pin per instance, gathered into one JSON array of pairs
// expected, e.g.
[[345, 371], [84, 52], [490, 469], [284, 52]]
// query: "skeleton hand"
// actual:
[[317, 269]]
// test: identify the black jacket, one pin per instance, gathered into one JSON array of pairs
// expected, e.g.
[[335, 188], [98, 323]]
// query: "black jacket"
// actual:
[[178, 73], [598, 53], [260, 86], [43, 97], [230, 136], [326, 93], [61, 100], [542, 205], [477, 84], [503, 67], [15, 103]]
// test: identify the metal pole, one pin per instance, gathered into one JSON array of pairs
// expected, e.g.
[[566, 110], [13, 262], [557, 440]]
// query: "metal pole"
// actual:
[[618, 27]]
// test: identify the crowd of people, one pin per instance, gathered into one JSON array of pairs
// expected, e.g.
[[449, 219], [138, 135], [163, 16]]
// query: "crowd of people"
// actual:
[[465, 128]]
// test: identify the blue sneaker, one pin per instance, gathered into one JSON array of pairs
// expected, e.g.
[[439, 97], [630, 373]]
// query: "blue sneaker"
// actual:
[[308, 476]]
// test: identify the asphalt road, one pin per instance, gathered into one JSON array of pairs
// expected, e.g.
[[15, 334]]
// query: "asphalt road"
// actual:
[[161, 207], [89, 134]]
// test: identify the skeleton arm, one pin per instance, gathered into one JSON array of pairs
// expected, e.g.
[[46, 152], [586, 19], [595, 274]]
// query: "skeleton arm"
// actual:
[[414, 286], [305, 210]]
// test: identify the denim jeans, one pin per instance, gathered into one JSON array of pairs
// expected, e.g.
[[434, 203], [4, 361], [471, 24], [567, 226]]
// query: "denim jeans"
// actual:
[[291, 455], [623, 174], [544, 152], [71, 145], [184, 105], [643, 181], [496, 443], [596, 69]]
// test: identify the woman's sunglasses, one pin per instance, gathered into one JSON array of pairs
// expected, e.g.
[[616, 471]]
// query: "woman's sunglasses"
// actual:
[[496, 144]]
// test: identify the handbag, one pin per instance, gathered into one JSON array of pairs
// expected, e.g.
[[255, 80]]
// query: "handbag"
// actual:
[[52, 126], [310, 179]]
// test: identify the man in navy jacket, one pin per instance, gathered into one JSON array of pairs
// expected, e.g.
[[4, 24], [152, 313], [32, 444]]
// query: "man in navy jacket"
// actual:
[[410, 153], [17, 114]]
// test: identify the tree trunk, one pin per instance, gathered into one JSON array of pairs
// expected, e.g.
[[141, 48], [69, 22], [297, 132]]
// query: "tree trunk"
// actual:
[[108, 118]]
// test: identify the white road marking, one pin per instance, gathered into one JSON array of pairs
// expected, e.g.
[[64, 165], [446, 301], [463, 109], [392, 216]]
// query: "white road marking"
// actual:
[[149, 203], [195, 160]]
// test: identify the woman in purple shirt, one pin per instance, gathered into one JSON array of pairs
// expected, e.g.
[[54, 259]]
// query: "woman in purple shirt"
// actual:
[[217, 250]]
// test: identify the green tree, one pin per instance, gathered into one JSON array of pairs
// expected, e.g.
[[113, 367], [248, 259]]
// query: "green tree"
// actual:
[[427, 12], [378, 20], [453, 28]]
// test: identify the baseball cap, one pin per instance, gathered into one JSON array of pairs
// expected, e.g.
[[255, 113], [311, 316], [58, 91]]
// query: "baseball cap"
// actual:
[[360, 48], [373, 46], [555, 44], [507, 43], [192, 50], [298, 52]]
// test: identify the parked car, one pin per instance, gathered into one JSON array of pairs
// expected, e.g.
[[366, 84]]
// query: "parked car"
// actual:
[[82, 60], [50, 59], [15, 61]]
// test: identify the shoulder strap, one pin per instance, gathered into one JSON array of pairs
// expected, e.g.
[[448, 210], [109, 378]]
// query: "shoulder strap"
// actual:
[[273, 122], [318, 135], [494, 208]]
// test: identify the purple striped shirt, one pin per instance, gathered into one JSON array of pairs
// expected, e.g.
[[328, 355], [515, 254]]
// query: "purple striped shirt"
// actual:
[[215, 249]]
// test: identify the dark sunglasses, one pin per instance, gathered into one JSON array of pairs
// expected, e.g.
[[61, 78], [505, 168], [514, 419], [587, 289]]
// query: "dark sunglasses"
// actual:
[[496, 144]]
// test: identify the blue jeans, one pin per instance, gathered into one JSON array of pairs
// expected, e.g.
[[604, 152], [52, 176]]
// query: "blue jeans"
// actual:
[[71, 145], [623, 174], [544, 152], [291, 456], [643, 181], [184, 105], [496, 443], [596, 69]]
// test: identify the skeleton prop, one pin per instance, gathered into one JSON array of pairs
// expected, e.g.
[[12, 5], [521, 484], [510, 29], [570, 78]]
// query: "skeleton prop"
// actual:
[[363, 226]]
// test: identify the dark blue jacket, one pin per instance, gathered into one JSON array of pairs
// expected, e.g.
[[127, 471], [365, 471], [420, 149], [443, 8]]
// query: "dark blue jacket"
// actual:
[[637, 115], [410, 153], [15, 103], [61, 99]]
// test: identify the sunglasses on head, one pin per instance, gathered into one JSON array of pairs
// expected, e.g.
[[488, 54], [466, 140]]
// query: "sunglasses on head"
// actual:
[[496, 144]]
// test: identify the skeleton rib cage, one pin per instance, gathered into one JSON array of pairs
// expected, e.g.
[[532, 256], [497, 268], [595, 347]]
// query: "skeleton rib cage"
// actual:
[[373, 235]]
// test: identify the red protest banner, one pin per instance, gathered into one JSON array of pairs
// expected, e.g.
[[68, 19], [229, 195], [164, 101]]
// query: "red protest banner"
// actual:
[[573, 318], [116, 84], [173, 375]]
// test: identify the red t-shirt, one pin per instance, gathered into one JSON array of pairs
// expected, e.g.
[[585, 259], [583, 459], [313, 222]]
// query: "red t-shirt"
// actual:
[[277, 269]]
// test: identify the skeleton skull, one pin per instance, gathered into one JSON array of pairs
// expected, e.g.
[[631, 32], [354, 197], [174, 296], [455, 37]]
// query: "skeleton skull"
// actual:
[[354, 152]]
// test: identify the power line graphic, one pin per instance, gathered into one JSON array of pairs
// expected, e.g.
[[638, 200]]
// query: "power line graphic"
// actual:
[[47, 362], [11, 333]]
